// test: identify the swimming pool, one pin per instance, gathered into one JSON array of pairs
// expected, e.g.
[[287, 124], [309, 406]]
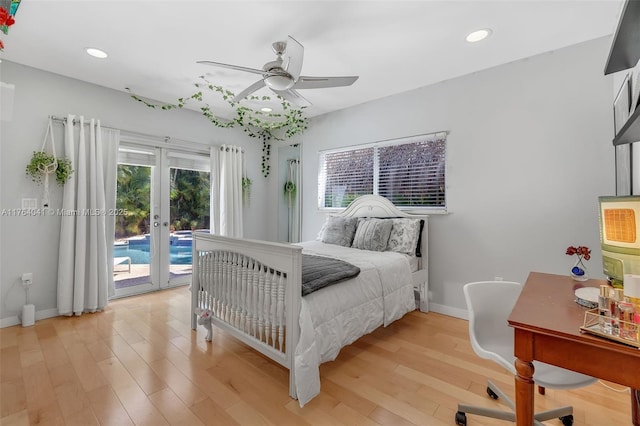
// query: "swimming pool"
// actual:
[[178, 255], [138, 249]]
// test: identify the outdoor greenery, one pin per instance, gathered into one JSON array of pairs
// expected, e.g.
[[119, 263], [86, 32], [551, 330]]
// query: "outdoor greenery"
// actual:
[[189, 194], [134, 186], [189, 200], [266, 126]]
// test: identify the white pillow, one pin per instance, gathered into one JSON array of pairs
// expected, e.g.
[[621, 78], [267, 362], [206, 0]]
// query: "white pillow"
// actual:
[[404, 236]]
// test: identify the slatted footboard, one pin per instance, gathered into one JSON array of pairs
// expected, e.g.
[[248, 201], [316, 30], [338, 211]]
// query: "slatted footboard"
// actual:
[[253, 291]]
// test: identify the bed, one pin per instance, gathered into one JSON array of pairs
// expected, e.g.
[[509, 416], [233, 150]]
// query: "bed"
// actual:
[[253, 289]]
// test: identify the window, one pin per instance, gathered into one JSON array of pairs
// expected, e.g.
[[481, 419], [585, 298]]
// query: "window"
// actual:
[[410, 172]]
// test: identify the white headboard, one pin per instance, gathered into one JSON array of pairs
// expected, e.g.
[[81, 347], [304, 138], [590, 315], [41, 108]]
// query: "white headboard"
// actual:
[[380, 207], [374, 206]]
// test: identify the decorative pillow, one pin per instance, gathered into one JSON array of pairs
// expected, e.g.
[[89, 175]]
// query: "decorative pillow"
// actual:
[[372, 234], [339, 230], [404, 236]]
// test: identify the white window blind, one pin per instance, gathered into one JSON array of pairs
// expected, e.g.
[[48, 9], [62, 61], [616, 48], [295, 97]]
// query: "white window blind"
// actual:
[[189, 161], [136, 155], [410, 172]]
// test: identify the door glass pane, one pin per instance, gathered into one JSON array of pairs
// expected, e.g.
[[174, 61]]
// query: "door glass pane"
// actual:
[[133, 250], [188, 212]]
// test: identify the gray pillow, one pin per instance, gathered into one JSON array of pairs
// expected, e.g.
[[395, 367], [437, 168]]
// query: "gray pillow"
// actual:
[[339, 230], [372, 234]]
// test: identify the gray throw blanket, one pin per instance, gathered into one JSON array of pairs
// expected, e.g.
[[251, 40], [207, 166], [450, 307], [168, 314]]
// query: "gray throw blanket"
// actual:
[[319, 272]]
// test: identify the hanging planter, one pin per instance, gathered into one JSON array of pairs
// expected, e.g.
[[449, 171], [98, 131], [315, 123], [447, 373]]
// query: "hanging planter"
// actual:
[[290, 192], [42, 163], [246, 190]]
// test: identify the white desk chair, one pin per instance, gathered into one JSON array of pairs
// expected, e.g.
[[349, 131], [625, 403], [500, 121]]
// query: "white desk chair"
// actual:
[[490, 303]]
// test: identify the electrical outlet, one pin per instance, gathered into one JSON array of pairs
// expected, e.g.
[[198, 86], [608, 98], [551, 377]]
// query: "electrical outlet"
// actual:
[[27, 279]]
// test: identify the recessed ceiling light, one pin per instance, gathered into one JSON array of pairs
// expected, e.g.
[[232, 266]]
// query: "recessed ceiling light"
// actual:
[[96, 53], [478, 35], [266, 109]]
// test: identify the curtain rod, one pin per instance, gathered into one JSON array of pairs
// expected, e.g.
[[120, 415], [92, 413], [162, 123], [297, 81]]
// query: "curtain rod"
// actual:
[[166, 139]]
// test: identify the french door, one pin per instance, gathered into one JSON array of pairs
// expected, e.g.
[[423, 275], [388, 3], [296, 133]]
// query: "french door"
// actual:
[[163, 195]]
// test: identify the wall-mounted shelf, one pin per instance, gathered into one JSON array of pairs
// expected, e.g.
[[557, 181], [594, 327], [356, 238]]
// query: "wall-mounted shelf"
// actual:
[[625, 50], [623, 55], [630, 132]]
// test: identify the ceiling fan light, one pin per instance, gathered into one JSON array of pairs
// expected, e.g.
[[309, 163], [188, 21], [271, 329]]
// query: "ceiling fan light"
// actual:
[[96, 53], [279, 82], [266, 109], [478, 35]]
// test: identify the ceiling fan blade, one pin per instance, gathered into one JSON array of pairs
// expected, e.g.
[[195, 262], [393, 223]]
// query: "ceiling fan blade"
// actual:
[[234, 67], [305, 82], [294, 97], [249, 90], [294, 55]]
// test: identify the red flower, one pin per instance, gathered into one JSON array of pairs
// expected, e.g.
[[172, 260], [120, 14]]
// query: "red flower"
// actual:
[[581, 251], [5, 17], [1, 45]]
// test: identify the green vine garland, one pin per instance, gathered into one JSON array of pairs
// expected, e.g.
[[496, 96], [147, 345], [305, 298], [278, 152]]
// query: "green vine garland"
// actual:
[[267, 126]]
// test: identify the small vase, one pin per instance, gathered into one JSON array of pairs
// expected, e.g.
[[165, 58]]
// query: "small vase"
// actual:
[[579, 271]]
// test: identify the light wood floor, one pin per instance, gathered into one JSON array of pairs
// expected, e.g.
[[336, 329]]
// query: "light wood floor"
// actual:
[[139, 363]]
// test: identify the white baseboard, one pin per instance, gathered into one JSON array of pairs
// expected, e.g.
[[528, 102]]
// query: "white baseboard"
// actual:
[[14, 320], [449, 311], [433, 307]]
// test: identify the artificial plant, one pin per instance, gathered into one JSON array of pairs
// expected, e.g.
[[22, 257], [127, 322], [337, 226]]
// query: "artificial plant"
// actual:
[[42, 161], [267, 126]]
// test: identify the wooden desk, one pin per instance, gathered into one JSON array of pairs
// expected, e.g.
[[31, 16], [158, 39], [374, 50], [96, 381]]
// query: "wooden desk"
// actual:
[[547, 323]]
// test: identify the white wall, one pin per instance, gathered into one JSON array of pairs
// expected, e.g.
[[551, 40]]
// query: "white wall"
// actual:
[[30, 244], [529, 151]]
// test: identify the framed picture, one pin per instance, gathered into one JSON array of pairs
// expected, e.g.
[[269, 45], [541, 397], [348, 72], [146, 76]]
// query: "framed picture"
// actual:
[[623, 169], [622, 105]]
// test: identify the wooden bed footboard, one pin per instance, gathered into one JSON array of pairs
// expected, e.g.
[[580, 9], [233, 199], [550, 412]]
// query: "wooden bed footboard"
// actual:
[[253, 291]]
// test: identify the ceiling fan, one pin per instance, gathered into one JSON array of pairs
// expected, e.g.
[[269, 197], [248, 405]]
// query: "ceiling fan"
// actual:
[[282, 75]]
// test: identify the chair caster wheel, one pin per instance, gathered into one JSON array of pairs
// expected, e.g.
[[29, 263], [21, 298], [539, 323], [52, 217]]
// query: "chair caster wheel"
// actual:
[[461, 419], [567, 420], [491, 393]]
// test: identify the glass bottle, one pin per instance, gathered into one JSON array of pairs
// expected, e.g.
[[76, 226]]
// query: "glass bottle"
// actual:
[[627, 328], [604, 309], [615, 314]]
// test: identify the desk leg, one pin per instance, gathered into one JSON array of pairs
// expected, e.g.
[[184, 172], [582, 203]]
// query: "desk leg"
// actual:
[[635, 407], [524, 393]]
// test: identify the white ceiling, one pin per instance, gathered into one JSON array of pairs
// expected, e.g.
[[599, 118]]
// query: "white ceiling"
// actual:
[[394, 46]]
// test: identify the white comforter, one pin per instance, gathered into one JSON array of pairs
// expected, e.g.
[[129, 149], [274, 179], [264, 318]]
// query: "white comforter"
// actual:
[[336, 316]]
